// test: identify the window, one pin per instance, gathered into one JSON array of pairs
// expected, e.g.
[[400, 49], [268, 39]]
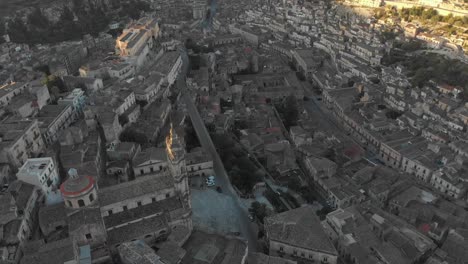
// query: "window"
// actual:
[[160, 167], [125, 208], [88, 236], [152, 169], [109, 212], [139, 203], [281, 249], [81, 203], [302, 254], [295, 252], [91, 197], [153, 199], [142, 172], [168, 195], [69, 204]]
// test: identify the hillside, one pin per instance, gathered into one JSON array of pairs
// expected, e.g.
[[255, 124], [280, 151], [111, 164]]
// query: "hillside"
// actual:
[[9, 7]]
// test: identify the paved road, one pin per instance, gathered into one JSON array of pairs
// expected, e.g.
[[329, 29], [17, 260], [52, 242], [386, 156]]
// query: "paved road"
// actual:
[[246, 228]]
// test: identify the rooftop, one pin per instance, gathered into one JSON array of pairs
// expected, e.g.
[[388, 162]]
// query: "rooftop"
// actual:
[[35, 166], [137, 229], [167, 61], [61, 251], [12, 130], [77, 186], [139, 187], [299, 227], [8, 88], [138, 252]]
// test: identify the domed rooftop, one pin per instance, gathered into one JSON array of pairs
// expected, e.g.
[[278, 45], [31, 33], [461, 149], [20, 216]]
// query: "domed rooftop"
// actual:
[[76, 185]]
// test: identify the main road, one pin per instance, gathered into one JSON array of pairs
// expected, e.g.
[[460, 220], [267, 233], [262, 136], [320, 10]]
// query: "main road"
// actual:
[[245, 227]]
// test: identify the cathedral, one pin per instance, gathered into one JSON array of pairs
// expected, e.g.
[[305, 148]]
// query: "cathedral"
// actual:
[[154, 207]]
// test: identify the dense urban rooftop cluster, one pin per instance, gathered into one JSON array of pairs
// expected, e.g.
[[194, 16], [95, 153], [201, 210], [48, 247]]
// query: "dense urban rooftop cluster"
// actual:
[[236, 132]]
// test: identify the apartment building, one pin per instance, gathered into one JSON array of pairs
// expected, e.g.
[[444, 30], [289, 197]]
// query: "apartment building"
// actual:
[[40, 172], [19, 140]]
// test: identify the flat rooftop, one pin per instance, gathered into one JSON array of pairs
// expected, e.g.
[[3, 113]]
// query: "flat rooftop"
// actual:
[[35, 166]]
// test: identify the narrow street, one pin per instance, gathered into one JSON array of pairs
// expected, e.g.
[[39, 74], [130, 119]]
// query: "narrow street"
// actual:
[[246, 228]]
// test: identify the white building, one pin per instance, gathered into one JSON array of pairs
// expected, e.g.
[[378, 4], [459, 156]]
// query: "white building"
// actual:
[[10, 90], [448, 184], [40, 172]]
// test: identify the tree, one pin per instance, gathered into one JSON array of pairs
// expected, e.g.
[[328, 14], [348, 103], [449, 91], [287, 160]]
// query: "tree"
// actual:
[[54, 81], [78, 5], [191, 139], [291, 111], [2, 30], [307, 194], [259, 210], [38, 19], [69, 27], [18, 31], [322, 213], [243, 174], [132, 135], [393, 114], [294, 184]]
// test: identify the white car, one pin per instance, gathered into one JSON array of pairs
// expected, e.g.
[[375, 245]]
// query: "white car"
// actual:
[[210, 181]]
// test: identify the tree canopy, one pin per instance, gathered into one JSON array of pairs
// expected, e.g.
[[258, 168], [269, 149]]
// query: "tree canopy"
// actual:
[[290, 111], [132, 135], [259, 210], [84, 17]]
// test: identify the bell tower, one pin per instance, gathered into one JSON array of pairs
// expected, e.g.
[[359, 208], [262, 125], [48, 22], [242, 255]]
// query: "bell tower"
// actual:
[[175, 150]]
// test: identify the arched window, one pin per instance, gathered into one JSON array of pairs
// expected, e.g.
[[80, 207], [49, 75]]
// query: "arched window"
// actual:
[[69, 204], [91, 197], [81, 203]]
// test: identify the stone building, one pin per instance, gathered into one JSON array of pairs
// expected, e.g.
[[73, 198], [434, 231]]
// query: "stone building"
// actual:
[[297, 234]]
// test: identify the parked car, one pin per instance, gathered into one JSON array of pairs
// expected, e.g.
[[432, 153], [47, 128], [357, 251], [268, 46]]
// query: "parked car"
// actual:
[[251, 217], [210, 181]]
